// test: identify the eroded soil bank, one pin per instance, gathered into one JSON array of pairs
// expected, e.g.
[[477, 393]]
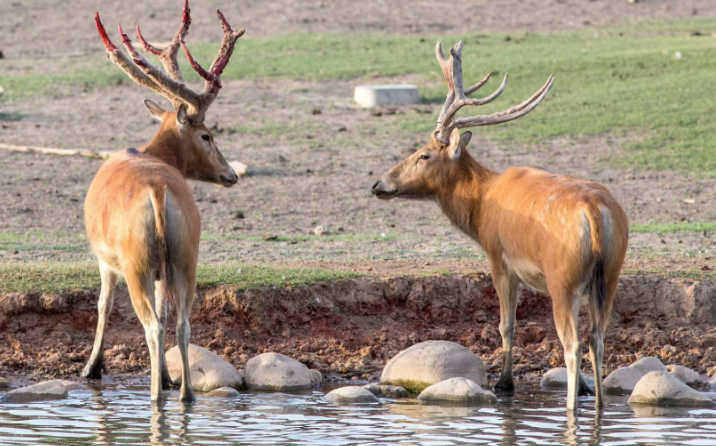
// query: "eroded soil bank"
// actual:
[[350, 328]]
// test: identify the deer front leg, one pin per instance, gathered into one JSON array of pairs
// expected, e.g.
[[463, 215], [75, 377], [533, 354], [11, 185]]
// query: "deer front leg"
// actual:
[[506, 287], [95, 365]]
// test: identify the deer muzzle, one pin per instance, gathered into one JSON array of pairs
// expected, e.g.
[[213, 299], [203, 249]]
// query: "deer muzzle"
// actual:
[[381, 189]]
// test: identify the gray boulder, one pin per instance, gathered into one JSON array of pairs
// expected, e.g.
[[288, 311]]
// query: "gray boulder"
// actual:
[[351, 395], [386, 391], [48, 390], [648, 364], [663, 389], [557, 379], [431, 362], [225, 392], [277, 372], [207, 370], [623, 380], [73, 385], [457, 391], [686, 375]]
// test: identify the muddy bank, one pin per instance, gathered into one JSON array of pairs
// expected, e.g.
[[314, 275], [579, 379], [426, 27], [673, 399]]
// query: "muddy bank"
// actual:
[[350, 328]]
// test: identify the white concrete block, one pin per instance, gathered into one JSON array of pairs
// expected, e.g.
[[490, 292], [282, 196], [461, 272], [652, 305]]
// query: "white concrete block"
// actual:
[[374, 95]]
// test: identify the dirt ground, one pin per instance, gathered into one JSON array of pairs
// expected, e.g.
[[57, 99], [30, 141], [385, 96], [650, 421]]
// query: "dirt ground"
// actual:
[[32, 28], [312, 154], [316, 171]]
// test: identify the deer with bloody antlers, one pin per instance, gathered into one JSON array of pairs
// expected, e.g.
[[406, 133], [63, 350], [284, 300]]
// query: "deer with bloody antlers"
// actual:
[[560, 235], [141, 218]]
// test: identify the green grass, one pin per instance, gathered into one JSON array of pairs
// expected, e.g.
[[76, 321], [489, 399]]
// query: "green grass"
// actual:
[[670, 228], [692, 273], [624, 82], [11, 117], [62, 277]]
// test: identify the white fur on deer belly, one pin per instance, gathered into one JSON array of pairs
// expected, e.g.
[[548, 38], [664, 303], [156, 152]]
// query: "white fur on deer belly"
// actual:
[[529, 273]]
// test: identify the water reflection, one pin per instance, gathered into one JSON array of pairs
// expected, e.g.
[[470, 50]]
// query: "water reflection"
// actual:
[[121, 413]]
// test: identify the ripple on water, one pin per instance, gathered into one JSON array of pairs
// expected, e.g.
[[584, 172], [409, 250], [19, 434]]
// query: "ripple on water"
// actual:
[[121, 413]]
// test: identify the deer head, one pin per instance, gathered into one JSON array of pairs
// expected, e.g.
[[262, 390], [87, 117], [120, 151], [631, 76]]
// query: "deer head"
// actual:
[[183, 140], [434, 166]]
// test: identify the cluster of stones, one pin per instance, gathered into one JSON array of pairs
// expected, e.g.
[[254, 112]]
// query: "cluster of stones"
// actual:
[[209, 374], [442, 372], [439, 372], [646, 381]]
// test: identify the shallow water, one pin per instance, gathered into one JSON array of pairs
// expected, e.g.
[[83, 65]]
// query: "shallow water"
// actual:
[[121, 413]]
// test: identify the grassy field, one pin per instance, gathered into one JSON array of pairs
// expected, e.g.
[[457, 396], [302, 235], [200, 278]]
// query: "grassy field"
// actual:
[[645, 83], [59, 277]]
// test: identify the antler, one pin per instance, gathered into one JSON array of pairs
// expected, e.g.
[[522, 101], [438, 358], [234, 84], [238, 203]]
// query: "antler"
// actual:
[[170, 83], [457, 97]]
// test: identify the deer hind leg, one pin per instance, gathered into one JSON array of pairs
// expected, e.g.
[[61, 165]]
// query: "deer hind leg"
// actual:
[[184, 292], [95, 365], [599, 320], [160, 306], [141, 291], [565, 305], [506, 287]]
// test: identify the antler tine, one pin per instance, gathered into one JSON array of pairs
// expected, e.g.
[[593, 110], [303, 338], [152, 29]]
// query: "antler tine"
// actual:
[[123, 62], [212, 77], [457, 97], [174, 90], [463, 101], [479, 85], [510, 114], [168, 56]]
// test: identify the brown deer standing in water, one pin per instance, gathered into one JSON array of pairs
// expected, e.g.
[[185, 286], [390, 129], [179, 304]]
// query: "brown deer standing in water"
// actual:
[[562, 236], [141, 218]]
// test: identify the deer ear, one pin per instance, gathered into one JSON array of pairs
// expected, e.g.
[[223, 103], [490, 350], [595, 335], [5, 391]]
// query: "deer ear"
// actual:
[[154, 109], [465, 139], [182, 117], [456, 143]]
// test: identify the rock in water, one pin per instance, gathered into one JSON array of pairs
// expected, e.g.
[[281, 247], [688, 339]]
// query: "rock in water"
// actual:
[[351, 395], [48, 390], [648, 364], [685, 375], [277, 372], [623, 380], [208, 371], [431, 362], [225, 392], [663, 389], [557, 379], [387, 391], [457, 390]]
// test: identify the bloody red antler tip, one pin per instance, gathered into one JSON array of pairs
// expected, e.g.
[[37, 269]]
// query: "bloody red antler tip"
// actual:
[[123, 36], [147, 46], [186, 13], [103, 33], [194, 64]]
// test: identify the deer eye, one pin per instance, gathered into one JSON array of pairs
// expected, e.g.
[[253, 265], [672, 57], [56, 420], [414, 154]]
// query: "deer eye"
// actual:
[[424, 157], [206, 137]]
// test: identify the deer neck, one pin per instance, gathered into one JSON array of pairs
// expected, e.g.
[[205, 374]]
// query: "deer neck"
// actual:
[[168, 146], [462, 196]]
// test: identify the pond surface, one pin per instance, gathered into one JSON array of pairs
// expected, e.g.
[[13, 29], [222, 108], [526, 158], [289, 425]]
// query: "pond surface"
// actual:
[[120, 413]]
